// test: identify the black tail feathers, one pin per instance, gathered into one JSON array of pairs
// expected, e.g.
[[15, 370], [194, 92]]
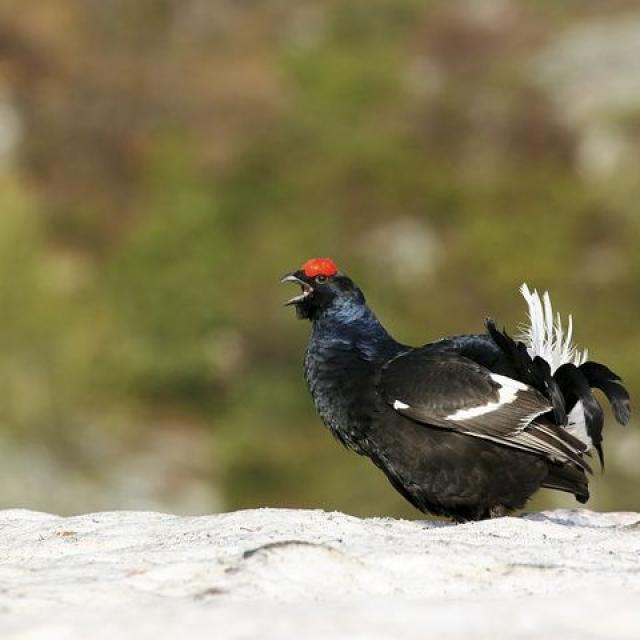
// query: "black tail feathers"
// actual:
[[568, 386], [535, 372], [601, 377]]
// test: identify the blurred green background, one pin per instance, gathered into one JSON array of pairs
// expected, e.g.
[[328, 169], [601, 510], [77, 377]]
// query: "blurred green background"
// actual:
[[163, 163]]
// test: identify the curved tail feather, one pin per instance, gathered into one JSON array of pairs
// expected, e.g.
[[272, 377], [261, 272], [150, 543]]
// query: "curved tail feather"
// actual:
[[601, 377]]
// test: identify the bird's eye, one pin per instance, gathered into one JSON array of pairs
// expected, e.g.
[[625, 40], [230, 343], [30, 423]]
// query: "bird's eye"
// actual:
[[321, 279]]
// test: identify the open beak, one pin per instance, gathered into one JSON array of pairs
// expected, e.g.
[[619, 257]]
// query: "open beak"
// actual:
[[307, 289]]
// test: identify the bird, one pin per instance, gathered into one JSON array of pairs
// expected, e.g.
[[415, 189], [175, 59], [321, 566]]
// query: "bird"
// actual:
[[467, 427]]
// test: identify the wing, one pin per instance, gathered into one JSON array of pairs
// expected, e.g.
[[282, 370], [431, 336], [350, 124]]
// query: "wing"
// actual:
[[452, 392]]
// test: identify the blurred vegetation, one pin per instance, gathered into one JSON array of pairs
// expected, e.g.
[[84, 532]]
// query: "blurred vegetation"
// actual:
[[163, 163]]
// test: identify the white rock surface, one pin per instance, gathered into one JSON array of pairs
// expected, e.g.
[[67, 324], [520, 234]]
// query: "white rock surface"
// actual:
[[283, 574]]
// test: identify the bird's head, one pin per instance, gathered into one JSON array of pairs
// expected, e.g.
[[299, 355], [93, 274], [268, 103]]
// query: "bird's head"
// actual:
[[324, 287]]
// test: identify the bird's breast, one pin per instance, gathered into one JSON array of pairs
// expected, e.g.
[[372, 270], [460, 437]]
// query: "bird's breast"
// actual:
[[341, 385]]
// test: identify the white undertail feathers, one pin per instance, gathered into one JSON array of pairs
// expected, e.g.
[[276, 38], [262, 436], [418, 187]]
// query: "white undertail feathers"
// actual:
[[545, 336]]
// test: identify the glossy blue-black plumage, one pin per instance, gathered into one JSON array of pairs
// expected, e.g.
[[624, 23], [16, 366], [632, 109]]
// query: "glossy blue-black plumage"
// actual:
[[488, 470]]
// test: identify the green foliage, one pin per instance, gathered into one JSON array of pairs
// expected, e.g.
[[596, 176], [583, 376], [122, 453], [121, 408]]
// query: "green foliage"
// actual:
[[147, 284]]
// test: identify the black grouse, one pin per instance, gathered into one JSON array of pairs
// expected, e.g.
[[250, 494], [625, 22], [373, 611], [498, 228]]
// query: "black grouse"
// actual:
[[467, 427]]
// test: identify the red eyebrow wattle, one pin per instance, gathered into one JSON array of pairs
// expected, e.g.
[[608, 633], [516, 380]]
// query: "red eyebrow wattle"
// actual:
[[319, 267]]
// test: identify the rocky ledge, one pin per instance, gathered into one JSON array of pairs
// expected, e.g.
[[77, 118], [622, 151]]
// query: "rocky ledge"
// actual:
[[274, 573]]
